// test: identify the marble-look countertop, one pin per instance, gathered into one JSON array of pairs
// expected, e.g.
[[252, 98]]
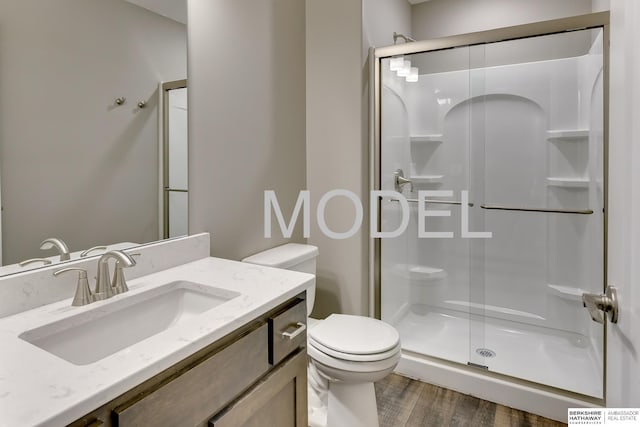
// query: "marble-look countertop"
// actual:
[[40, 389]]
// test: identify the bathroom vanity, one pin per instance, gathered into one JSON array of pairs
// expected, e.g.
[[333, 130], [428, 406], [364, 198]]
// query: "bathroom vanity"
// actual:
[[209, 342], [252, 377]]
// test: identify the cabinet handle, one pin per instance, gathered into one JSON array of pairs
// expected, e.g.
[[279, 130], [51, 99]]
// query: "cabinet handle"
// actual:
[[301, 327]]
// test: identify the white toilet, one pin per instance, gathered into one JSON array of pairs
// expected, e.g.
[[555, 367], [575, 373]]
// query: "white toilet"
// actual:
[[347, 354]]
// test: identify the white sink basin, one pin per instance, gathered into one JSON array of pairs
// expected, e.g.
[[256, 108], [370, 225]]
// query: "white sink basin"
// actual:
[[114, 325]]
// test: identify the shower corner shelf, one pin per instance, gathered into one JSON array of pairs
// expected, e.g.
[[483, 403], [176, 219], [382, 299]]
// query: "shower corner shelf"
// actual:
[[424, 273], [568, 135], [426, 179], [579, 183], [419, 139], [566, 292]]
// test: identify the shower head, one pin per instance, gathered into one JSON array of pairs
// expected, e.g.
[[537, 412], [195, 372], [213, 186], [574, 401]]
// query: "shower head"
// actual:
[[397, 36]]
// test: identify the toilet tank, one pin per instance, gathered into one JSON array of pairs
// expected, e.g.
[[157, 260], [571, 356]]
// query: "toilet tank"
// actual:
[[292, 256]]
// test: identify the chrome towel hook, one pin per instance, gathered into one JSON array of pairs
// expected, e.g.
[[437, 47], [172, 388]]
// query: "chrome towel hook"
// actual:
[[120, 100]]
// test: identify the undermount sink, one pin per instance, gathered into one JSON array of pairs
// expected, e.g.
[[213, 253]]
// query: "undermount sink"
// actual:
[[114, 325]]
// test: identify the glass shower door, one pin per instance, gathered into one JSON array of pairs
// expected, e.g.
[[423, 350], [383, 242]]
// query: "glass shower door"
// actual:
[[537, 125], [425, 137], [511, 135]]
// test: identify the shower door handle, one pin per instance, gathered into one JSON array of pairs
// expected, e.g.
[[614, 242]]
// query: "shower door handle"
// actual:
[[598, 304], [399, 180]]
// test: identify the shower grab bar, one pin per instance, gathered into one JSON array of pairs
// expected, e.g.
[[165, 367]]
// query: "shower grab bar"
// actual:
[[503, 208], [434, 201], [545, 210]]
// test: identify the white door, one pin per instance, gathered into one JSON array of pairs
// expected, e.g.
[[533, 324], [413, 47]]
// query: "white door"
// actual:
[[623, 338]]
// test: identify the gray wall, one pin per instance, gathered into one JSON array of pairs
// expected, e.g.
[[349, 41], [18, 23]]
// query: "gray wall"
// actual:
[[72, 165], [440, 18], [246, 118], [381, 18], [338, 34]]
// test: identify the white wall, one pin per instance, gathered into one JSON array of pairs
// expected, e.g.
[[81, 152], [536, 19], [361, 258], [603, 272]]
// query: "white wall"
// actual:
[[440, 18], [246, 118], [73, 165]]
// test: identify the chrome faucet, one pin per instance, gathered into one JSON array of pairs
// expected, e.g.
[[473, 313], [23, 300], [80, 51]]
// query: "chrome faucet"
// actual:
[[54, 242], [119, 283], [104, 289]]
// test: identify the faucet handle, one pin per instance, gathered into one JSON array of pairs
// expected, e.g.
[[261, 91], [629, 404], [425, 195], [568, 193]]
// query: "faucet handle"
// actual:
[[44, 261], [119, 283], [94, 248], [104, 287], [83, 294]]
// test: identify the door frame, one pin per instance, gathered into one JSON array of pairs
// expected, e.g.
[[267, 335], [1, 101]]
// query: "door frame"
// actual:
[[623, 338]]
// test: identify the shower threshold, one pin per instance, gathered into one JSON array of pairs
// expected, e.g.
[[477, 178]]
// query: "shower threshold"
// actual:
[[542, 355]]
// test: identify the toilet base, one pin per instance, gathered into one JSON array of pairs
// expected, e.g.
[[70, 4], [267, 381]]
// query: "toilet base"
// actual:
[[344, 405], [352, 405]]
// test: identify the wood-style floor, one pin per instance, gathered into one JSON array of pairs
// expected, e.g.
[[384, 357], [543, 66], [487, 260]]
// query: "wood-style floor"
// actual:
[[405, 402]]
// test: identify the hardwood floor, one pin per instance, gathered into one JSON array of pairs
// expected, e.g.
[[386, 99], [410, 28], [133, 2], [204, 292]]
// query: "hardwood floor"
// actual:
[[410, 403]]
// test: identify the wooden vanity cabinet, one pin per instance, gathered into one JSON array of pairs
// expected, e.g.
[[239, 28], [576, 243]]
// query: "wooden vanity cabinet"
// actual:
[[255, 376]]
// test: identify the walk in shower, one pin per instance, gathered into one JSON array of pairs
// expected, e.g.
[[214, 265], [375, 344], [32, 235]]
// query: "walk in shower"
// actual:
[[500, 132]]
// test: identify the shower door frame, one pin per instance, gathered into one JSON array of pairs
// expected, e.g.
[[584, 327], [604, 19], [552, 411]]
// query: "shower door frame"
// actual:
[[165, 187], [376, 55]]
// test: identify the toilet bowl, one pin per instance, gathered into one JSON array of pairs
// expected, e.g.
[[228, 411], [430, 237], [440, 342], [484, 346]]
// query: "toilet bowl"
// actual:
[[347, 354]]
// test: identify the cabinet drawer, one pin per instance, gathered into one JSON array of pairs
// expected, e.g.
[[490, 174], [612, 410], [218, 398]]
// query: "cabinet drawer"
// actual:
[[203, 390], [287, 332]]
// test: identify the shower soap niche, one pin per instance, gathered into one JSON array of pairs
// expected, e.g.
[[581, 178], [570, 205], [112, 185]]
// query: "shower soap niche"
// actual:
[[568, 135], [421, 272], [426, 179], [568, 182], [424, 139]]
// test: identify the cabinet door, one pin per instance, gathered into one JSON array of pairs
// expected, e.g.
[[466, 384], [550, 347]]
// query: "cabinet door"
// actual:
[[280, 399], [192, 397]]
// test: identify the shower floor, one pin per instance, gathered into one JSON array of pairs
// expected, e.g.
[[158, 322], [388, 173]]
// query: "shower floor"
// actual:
[[547, 356]]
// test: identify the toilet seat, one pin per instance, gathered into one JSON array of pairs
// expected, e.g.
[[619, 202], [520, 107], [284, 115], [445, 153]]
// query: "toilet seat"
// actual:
[[349, 367], [354, 343], [353, 357], [346, 336]]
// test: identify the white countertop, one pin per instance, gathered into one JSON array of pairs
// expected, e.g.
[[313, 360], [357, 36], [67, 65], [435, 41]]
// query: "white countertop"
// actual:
[[40, 389]]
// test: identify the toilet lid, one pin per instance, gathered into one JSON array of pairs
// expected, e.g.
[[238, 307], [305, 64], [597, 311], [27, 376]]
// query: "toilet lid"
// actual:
[[355, 335]]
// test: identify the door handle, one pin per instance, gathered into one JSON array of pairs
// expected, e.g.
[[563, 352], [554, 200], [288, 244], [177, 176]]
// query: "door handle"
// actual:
[[598, 304]]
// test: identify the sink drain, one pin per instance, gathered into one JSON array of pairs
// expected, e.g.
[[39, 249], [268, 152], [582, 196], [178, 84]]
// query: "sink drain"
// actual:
[[485, 352]]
